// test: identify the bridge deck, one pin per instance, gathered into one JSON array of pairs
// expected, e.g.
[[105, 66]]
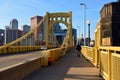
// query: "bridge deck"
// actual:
[[69, 67]]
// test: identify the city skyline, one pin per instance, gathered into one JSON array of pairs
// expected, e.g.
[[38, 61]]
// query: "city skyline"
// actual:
[[24, 10]]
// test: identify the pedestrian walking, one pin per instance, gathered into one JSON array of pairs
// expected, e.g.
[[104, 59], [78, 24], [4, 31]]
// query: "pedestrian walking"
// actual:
[[78, 48]]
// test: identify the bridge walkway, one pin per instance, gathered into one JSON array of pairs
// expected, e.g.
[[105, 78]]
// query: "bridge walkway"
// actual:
[[69, 67]]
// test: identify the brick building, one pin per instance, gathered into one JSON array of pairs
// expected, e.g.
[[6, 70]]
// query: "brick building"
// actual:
[[38, 33]]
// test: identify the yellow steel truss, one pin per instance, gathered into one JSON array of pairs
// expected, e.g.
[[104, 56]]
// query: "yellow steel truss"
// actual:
[[50, 19]]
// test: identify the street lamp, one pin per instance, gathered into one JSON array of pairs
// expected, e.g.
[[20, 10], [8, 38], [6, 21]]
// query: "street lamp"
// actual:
[[88, 32], [85, 7]]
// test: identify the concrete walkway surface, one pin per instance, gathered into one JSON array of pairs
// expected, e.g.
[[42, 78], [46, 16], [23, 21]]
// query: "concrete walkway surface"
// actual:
[[69, 67]]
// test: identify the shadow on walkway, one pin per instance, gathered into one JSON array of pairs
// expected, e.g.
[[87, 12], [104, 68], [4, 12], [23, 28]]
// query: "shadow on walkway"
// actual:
[[69, 67]]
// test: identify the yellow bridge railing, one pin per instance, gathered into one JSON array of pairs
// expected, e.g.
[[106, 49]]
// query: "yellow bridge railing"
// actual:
[[107, 59], [16, 49]]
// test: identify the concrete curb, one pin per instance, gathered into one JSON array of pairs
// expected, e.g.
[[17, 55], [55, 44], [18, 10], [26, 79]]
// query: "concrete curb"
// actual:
[[20, 70]]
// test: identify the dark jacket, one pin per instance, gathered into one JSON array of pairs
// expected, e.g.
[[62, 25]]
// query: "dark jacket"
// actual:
[[78, 47]]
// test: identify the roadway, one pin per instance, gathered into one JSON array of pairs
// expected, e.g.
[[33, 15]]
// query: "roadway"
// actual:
[[7, 61]]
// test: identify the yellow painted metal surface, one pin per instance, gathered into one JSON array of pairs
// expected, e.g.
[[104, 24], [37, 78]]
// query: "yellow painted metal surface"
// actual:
[[50, 19], [104, 64], [115, 72], [108, 59], [44, 57], [51, 55]]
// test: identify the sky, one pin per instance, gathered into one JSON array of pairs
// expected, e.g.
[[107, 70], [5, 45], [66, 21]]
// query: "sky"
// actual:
[[23, 10]]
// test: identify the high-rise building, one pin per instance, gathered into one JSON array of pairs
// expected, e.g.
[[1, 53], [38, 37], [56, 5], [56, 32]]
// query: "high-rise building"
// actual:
[[14, 24], [25, 29], [38, 33], [29, 40], [11, 32], [19, 33], [74, 33], [1, 37]]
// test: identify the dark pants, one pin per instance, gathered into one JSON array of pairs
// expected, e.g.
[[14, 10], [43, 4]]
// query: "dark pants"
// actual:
[[78, 53]]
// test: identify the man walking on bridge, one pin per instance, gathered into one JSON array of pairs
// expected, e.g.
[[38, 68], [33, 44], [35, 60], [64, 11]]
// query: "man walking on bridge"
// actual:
[[78, 48]]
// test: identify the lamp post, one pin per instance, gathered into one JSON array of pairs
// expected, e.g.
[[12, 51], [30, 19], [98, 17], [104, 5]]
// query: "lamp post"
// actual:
[[88, 32], [85, 7]]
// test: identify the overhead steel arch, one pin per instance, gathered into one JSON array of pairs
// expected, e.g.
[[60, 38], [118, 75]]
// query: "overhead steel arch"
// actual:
[[66, 19]]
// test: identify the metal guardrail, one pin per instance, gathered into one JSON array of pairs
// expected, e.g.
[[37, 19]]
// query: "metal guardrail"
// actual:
[[15, 49], [107, 59], [51, 55]]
